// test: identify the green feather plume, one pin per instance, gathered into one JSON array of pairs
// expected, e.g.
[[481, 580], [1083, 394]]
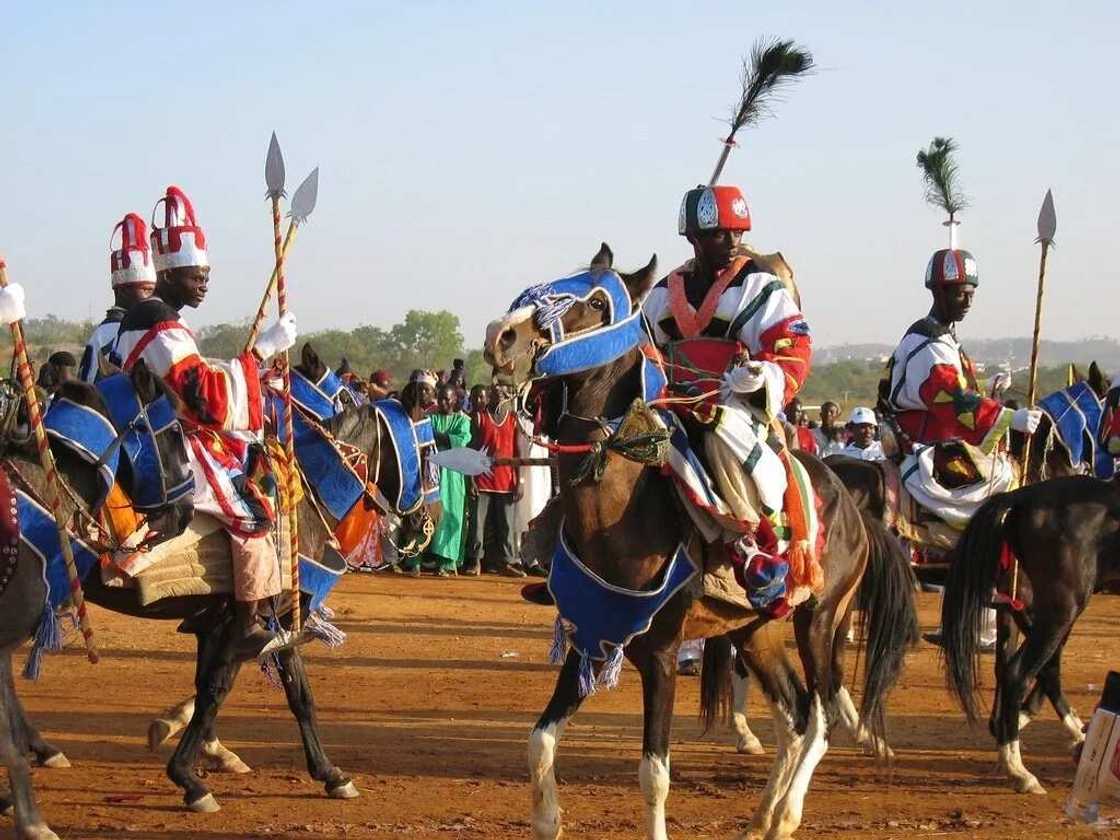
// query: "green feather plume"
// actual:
[[771, 66], [939, 171]]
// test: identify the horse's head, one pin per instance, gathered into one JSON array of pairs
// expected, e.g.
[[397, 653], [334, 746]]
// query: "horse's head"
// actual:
[[145, 447], [570, 325], [310, 365]]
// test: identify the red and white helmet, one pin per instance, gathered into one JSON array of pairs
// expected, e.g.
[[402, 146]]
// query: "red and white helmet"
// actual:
[[713, 208], [951, 267], [132, 261], [180, 242]]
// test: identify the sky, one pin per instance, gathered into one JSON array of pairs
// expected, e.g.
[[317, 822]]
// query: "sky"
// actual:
[[471, 149]]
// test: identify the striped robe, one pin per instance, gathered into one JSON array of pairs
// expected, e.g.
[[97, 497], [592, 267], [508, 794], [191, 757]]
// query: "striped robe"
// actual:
[[100, 344], [223, 412]]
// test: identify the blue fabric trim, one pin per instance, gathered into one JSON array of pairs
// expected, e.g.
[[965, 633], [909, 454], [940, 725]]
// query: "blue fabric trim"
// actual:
[[600, 617], [334, 483], [654, 380], [317, 398], [406, 440], [318, 579], [591, 349], [89, 434], [38, 532], [1076, 414]]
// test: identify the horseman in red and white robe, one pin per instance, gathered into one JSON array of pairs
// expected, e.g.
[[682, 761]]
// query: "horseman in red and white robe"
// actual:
[[222, 406], [133, 276], [952, 430], [760, 357]]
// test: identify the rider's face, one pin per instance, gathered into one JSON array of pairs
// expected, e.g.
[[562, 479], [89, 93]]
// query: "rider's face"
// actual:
[[715, 247], [952, 303]]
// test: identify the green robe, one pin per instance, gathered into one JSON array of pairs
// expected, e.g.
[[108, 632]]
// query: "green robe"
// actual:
[[447, 543]]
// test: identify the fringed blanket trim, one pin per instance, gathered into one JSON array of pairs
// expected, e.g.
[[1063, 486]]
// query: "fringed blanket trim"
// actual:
[[598, 619]]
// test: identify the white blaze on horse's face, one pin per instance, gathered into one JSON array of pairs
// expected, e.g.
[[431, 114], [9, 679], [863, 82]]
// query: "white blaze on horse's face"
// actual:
[[510, 343]]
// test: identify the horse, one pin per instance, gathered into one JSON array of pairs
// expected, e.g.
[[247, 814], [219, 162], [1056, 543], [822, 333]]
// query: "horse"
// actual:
[[1064, 534], [208, 617], [362, 429], [24, 587], [623, 522]]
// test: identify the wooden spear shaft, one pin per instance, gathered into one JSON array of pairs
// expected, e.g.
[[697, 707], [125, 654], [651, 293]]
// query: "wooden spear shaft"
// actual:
[[280, 248], [262, 310], [1032, 382], [46, 458]]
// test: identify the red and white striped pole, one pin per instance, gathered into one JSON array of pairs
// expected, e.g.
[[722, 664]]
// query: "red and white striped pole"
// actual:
[[46, 458]]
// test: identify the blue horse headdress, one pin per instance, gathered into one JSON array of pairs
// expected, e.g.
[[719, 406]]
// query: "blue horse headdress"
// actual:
[[567, 354]]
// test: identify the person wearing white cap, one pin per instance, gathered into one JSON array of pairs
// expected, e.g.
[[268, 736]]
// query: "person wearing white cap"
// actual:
[[133, 277], [221, 401], [863, 445]]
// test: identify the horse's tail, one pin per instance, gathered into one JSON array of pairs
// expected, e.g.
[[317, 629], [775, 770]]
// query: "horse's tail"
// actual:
[[974, 564], [715, 682], [889, 619]]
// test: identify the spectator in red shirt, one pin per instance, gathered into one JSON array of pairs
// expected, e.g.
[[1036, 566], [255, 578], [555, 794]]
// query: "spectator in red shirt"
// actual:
[[800, 422], [495, 430]]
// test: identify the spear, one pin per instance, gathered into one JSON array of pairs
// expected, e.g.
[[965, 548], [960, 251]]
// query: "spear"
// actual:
[[771, 66], [1047, 225], [274, 180], [46, 458], [303, 203]]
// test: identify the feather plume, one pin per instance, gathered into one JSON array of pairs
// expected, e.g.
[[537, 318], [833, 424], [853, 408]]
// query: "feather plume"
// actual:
[[770, 67], [941, 178]]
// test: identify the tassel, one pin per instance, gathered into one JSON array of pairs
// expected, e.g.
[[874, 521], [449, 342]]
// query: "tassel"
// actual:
[[326, 612], [558, 651], [611, 671], [324, 631], [586, 676], [48, 637], [270, 668]]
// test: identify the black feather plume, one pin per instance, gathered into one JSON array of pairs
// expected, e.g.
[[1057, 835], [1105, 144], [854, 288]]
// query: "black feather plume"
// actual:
[[771, 66], [940, 173]]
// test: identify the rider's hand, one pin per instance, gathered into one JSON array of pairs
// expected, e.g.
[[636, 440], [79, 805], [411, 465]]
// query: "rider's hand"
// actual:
[[12, 304], [744, 379], [1026, 420], [277, 338]]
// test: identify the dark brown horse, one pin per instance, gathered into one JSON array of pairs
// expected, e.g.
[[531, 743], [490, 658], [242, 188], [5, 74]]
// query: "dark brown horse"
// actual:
[[360, 428], [626, 526], [1065, 533]]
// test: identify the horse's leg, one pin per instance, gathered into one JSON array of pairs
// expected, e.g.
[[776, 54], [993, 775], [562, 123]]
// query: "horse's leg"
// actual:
[[845, 709], [31, 741], [1050, 681], [219, 759], [1045, 638], [214, 677], [763, 650], [543, 741], [297, 688], [163, 729], [818, 632], [29, 822], [658, 667], [740, 681]]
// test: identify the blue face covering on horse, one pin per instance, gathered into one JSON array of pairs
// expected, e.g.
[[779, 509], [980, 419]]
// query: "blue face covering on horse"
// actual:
[[568, 354], [410, 440], [598, 619], [1075, 414]]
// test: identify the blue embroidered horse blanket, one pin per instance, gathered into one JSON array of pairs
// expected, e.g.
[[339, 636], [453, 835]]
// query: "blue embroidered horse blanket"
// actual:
[[1075, 414]]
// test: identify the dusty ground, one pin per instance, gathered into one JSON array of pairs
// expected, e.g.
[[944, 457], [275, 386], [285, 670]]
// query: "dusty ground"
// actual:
[[429, 705]]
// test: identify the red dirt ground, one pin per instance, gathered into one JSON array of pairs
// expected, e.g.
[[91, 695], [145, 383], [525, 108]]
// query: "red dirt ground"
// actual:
[[429, 705]]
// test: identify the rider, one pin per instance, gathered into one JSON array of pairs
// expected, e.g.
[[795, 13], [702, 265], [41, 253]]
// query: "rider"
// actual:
[[724, 292], [218, 400], [930, 390], [133, 277]]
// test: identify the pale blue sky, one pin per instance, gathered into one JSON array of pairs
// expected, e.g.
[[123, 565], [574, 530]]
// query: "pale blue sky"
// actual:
[[471, 149]]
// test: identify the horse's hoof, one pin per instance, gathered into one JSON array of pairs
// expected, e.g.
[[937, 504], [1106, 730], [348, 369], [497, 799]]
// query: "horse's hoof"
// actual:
[[1029, 785], [7, 809], [347, 790], [1024, 720], [206, 805], [57, 761], [233, 765], [38, 832], [158, 733], [750, 746]]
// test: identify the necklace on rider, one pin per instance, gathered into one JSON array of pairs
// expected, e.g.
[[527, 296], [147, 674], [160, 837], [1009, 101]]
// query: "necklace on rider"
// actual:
[[692, 322]]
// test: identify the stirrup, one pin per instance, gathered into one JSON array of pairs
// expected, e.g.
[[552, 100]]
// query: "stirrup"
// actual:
[[286, 640]]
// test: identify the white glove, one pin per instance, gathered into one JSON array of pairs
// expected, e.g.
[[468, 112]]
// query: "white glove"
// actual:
[[744, 379], [1026, 420], [11, 304], [277, 338], [1000, 383]]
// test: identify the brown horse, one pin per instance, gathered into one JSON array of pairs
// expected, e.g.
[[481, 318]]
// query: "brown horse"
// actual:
[[626, 525]]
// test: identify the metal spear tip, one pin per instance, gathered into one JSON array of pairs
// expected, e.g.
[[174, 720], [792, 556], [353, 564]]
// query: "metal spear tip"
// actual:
[[274, 168], [1047, 220], [303, 202]]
